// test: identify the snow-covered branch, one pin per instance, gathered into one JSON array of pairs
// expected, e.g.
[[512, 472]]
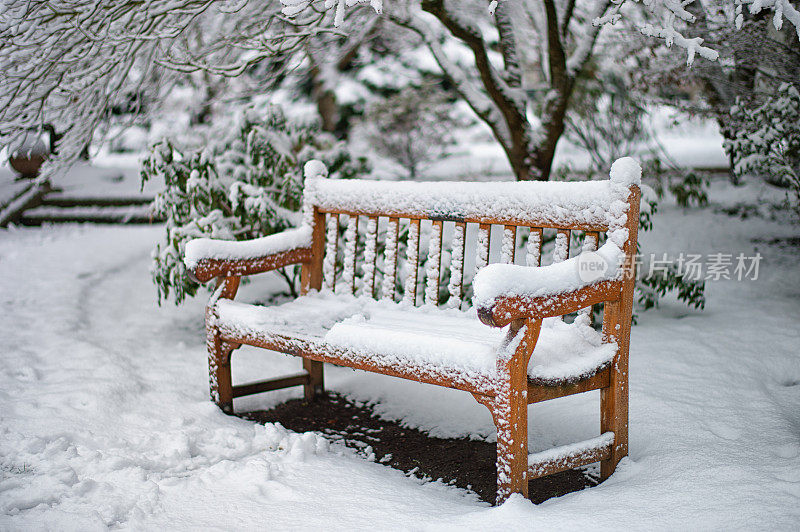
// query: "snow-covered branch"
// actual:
[[293, 7], [466, 87], [676, 19], [68, 63], [585, 43]]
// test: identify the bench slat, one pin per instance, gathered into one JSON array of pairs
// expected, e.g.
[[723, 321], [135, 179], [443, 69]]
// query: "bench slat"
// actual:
[[561, 249], [390, 260], [457, 266], [509, 248], [331, 246], [534, 247], [538, 393], [350, 249], [412, 255], [570, 456], [484, 241], [434, 263], [370, 246], [590, 240], [271, 384]]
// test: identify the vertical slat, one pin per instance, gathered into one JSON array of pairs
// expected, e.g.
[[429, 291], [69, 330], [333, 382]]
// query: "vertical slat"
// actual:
[[311, 273], [590, 241], [350, 245], [589, 244], [412, 255], [561, 250], [457, 266], [390, 260], [311, 277], [434, 264], [370, 246], [482, 253], [533, 257], [331, 245], [509, 244]]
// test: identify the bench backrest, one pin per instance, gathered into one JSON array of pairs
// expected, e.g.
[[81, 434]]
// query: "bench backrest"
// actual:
[[468, 224]]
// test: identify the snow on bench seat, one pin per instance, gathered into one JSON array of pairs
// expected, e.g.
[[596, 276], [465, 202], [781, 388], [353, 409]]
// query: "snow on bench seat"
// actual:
[[427, 337]]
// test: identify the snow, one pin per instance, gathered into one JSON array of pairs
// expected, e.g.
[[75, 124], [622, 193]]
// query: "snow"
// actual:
[[351, 242], [434, 265], [444, 341], [10, 187], [368, 267], [557, 203], [314, 169], [208, 248], [389, 260], [107, 176], [18, 202], [565, 452], [561, 249], [456, 268], [105, 419], [626, 171], [92, 212], [510, 280], [508, 246], [533, 255], [331, 239], [410, 293]]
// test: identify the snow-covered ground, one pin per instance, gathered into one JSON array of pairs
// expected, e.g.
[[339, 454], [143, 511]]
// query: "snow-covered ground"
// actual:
[[105, 420]]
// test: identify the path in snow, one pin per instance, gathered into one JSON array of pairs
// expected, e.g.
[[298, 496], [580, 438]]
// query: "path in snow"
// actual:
[[104, 417]]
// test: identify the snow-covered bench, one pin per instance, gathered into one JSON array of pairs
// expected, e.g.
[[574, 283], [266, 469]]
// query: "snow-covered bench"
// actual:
[[522, 353]]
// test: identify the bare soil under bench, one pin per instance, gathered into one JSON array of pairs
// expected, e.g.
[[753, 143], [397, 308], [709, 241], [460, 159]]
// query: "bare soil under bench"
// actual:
[[466, 463]]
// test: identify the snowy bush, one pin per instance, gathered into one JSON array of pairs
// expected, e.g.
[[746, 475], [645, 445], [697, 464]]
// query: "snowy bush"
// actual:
[[768, 143], [246, 183], [652, 287]]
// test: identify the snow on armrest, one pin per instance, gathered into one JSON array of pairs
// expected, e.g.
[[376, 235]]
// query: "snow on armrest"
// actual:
[[523, 289], [208, 249]]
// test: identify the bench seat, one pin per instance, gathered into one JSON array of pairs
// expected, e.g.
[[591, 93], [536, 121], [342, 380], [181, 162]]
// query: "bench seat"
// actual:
[[397, 335]]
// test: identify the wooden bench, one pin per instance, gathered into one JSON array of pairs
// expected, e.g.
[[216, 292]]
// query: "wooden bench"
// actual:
[[375, 322]]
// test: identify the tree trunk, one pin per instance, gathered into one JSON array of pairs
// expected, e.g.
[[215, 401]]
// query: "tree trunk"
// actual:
[[327, 108]]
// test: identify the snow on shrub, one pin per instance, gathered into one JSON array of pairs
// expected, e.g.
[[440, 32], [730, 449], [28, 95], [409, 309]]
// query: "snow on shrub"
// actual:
[[246, 183], [768, 143]]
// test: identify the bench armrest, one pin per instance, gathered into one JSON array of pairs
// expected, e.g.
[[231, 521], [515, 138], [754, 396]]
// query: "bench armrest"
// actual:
[[207, 258], [506, 292]]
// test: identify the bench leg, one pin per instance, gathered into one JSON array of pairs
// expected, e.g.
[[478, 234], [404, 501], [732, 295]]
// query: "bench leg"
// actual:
[[219, 373], [316, 384], [614, 418], [509, 408], [510, 413], [614, 399]]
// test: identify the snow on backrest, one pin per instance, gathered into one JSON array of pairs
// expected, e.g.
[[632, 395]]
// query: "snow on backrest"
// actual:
[[578, 205], [447, 230]]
